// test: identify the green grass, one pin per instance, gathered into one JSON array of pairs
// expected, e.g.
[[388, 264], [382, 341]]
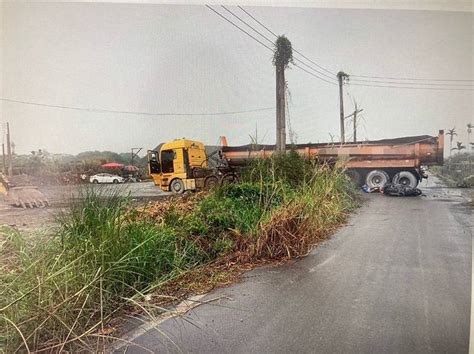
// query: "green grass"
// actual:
[[104, 258]]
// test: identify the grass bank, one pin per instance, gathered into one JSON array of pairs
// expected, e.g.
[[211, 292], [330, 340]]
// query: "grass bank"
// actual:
[[106, 257]]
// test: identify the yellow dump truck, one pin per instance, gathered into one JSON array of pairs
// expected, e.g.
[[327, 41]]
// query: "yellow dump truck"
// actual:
[[186, 165], [183, 164]]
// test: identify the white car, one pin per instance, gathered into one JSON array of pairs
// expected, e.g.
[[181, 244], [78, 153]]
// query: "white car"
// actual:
[[106, 178]]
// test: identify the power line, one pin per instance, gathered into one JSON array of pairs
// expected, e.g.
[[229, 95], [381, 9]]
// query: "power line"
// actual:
[[319, 72], [241, 29], [245, 23], [294, 49], [269, 40], [260, 23], [413, 83], [309, 72], [98, 110], [411, 79], [367, 76], [415, 87]]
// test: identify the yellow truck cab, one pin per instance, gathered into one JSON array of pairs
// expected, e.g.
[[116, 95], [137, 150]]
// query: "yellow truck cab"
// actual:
[[174, 165]]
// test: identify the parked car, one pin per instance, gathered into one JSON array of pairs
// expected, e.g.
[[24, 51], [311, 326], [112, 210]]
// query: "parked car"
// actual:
[[106, 178]]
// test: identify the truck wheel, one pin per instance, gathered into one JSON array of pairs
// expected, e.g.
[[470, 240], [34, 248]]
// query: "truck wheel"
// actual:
[[405, 178], [229, 178], [377, 178], [355, 177], [177, 186], [211, 182]]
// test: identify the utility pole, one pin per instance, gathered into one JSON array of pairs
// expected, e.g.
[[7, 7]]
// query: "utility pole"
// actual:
[[280, 111], [354, 114], [135, 152], [355, 126], [9, 152], [282, 57], [4, 160], [341, 77]]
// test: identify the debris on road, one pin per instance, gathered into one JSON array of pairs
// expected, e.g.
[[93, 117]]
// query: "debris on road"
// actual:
[[399, 190]]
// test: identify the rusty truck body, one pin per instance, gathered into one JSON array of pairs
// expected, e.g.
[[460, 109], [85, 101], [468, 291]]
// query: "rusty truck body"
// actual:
[[399, 160]]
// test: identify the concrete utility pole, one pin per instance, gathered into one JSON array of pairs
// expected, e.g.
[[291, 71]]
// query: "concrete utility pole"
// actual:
[[341, 76], [282, 57], [9, 152], [280, 110]]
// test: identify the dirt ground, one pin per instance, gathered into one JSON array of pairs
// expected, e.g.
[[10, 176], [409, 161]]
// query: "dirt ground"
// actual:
[[42, 219]]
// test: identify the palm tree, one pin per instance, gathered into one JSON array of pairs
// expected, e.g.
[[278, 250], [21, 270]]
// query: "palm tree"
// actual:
[[469, 131], [451, 133], [459, 146]]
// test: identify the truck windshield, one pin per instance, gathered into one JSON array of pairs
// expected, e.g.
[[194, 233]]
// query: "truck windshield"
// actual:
[[167, 157]]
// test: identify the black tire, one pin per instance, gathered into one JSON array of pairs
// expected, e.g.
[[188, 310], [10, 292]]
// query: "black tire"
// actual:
[[229, 179], [177, 186], [355, 177], [95, 181], [115, 181], [405, 178], [377, 179], [211, 182]]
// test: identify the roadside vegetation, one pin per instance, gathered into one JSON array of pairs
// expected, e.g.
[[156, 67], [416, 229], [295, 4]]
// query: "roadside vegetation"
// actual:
[[107, 258], [47, 168], [457, 170]]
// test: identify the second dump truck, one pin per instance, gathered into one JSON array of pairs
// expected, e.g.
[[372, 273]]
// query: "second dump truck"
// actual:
[[183, 164]]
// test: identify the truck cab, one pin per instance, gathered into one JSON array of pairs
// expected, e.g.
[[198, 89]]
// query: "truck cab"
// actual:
[[175, 166]]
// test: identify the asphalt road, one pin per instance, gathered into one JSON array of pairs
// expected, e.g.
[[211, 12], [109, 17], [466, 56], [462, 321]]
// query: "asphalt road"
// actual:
[[396, 279]]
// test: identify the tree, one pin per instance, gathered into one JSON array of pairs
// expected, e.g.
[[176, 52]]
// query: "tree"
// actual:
[[459, 146], [451, 133], [469, 131], [282, 57]]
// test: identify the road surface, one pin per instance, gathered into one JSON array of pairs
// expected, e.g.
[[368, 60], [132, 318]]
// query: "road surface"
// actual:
[[396, 279]]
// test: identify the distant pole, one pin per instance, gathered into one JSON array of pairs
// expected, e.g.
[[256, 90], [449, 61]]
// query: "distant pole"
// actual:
[[355, 126], [341, 76], [9, 152], [4, 166], [135, 152]]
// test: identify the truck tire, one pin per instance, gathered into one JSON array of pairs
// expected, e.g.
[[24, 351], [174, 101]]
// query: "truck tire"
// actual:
[[229, 178], [177, 186], [211, 182], [405, 178], [377, 178], [355, 177]]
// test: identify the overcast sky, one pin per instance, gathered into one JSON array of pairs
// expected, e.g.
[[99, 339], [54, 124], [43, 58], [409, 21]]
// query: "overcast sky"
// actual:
[[185, 59]]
